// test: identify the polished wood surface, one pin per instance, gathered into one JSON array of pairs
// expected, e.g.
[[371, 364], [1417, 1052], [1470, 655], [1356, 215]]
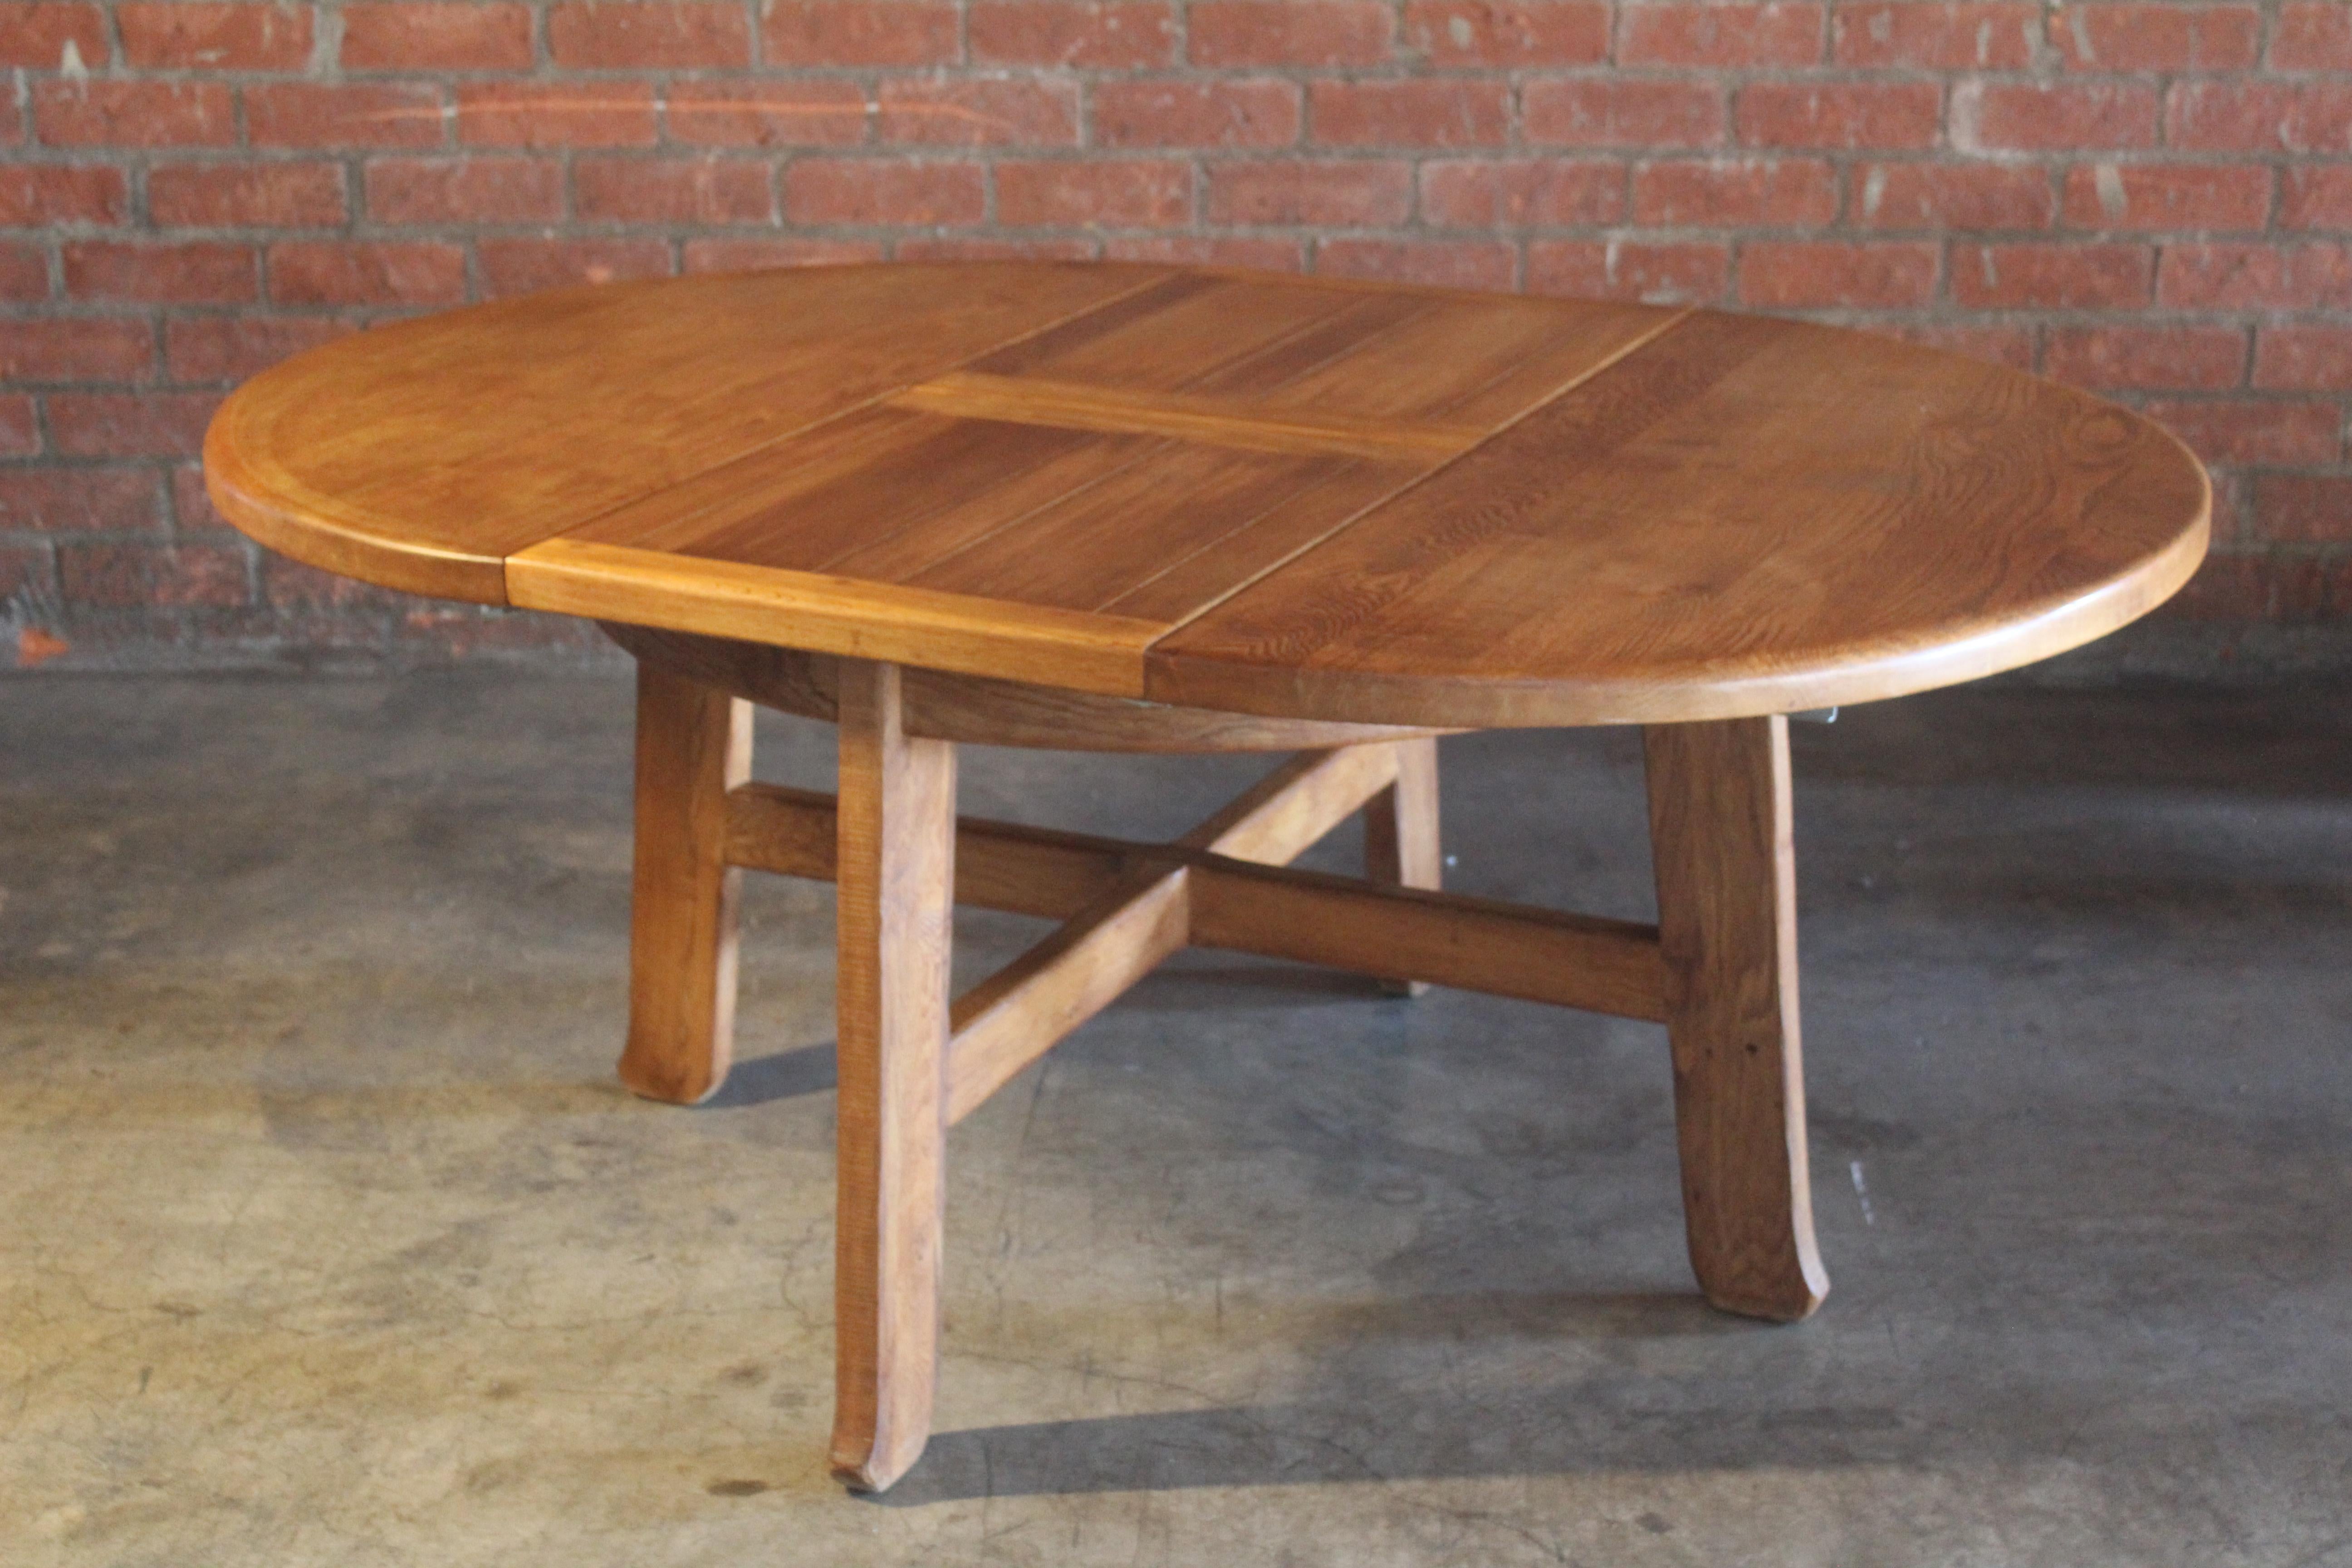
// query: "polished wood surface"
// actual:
[[1722, 836], [1285, 497]]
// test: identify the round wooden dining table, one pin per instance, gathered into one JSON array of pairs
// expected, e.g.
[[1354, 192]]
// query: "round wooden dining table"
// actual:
[[1177, 509]]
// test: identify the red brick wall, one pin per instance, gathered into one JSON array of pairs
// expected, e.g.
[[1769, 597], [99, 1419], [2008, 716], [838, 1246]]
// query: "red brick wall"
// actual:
[[2153, 199]]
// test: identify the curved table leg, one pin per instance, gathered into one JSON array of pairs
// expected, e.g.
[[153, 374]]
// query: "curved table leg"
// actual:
[[1401, 843], [1720, 832], [895, 869], [694, 744]]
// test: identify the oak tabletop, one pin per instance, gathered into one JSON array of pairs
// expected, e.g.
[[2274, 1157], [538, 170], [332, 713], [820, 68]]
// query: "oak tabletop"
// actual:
[[1291, 496]]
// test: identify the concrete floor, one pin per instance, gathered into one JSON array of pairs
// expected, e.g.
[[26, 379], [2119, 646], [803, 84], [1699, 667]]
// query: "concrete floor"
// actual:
[[329, 1238]]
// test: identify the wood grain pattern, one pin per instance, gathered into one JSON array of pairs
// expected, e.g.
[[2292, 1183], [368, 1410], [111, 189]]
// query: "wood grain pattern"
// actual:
[[694, 744], [894, 864], [834, 614], [1287, 812], [1293, 498], [1721, 832]]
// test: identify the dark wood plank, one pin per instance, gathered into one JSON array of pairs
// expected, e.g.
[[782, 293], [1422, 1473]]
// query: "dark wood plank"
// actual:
[[1720, 830]]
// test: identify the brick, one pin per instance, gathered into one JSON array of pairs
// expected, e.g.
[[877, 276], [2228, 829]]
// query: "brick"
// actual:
[[673, 190], [247, 195], [2157, 37], [1443, 263], [2304, 358], [77, 348], [2249, 588], [131, 424], [336, 272], [2302, 433], [883, 191], [1719, 37], [1124, 34], [1539, 193], [1197, 114], [1847, 114], [2246, 116], [318, 114], [436, 35], [2313, 36], [201, 272], [736, 114], [1427, 111], [24, 567], [2146, 359], [992, 248], [1661, 274], [2167, 196], [647, 34], [1735, 194], [1612, 112], [482, 189], [120, 576], [1353, 194], [78, 499], [2012, 346], [115, 113], [517, 115], [1264, 253], [45, 196], [231, 348], [1125, 194], [2316, 196], [1817, 274], [290, 585], [1953, 197], [512, 267], [2306, 509], [191, 507], [2061, 117], [1915, 34], [860, 32], [20, 426], [980, 113], [36, 35], [1501, 34], [1327, 33], [2046, 277], [2255, 276], [186, 35], [757, 255], [24, 273]]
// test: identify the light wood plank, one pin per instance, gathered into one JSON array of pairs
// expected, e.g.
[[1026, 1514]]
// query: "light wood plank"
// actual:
[[1401, 839], [1284, 815], [694, 745], [835, 614], [1219, 421], [1020, 1013], [1721, 832], [895, 862]]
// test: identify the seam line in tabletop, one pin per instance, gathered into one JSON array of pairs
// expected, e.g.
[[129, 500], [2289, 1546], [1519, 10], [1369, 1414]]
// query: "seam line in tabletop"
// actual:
[[878, 400], [1224, 367], [1581, 379]]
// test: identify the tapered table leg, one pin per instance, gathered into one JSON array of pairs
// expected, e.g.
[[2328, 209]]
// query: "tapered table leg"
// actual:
[[1721, 834], [694, 744], [897, 877], [1400, 841]]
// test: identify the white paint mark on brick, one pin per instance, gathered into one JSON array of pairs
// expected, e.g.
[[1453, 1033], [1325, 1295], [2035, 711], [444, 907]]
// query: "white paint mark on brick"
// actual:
[[69, 62], [2109, 180], [2082, 31], [1458, 29], [1874, 190]]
